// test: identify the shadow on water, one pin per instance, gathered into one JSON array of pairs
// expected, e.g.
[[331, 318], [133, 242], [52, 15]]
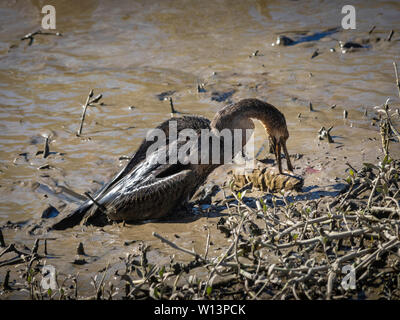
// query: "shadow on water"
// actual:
[[306, 195], [313, 37], [314, 195], [191, 215], [196, 210]]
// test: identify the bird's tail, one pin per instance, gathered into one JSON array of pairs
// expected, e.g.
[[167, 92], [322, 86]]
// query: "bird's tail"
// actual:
[[72, 218]]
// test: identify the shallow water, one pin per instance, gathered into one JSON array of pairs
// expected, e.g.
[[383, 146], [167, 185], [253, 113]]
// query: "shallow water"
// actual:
[[132, 51]]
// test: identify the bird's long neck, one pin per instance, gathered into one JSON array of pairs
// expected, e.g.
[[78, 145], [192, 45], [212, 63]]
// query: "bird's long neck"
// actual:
[[239, 115]]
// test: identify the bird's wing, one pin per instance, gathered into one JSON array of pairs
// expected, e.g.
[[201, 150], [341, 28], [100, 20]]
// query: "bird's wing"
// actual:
[[150, 190], [135, 170], [153, 199], [154, 169], [186, 122]]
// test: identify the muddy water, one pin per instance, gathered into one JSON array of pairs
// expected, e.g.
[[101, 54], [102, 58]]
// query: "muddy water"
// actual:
[[132, 52]]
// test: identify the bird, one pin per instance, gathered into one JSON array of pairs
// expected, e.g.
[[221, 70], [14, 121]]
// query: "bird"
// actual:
[[147, 189], [240, 115]]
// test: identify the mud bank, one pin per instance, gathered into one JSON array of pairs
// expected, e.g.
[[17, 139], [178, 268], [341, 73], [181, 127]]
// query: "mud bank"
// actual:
[[202, 60]]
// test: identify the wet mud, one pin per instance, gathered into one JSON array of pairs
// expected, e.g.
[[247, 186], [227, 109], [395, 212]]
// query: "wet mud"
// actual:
[[138, 56]]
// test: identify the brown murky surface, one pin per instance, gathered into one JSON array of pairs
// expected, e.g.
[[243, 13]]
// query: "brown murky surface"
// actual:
[[132, 52]]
